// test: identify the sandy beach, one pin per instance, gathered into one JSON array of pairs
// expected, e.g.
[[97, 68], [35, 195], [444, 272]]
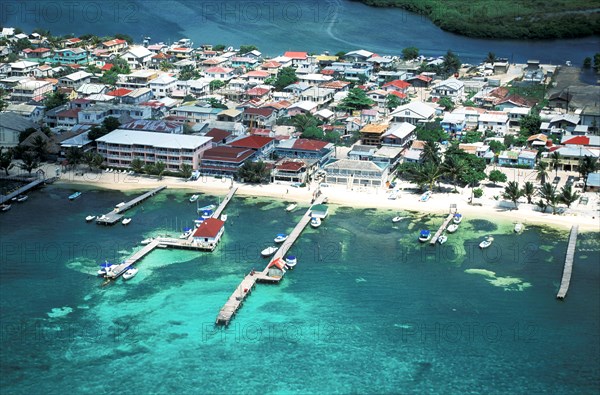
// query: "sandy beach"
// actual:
[[587, 217]]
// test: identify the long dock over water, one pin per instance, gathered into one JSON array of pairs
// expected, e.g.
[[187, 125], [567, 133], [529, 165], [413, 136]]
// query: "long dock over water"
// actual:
[[24, 188], [245, 287], [568, 269], [442, 228], [225, 201], [117, 214]]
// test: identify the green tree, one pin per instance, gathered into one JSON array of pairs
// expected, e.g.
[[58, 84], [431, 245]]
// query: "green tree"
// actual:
[[21, 44], [120, 66], [186, 170], [530, 124], [356, 99], [340, 54], [214, 103], [313, 132], [451, 63], [149, 168], [97, 161], [55, 99], [73, 155], [490, 58], [6, 160], [568, 196], [410, 53], [497, 176], [555, 160], [219, 47], [26, 133], [529, 191], [39, 146], [512, 192], [587, 165], [541, 169], [496, 147], [137, 165], [453, 167], [111, 123], [165, 66], [29, 161], [253, 172], [303, 121], [597, 61], [215, 84], [125, 37], [88, 159], [3, 103], [159, 169], [431, 153], [188, 73], [446, 102], [428, 174], [587, 63], [548, 192], [392, 101], [109, 77], [285, 77], [244, 49]]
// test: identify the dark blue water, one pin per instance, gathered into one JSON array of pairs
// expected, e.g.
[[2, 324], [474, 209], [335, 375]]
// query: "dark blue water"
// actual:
[[276, 26], [367, 309]]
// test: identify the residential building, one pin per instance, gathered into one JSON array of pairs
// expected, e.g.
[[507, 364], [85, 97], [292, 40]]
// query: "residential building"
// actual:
[[302, 107], [23, 68], [295, 148], [259, 117], [388, 155], [292, 170], [224, 160], [121, 146], [399, 134], [356, 173], [219, 136], [415, 112], [209, 233], [452, 88], [515, 114], [372, 133], [137, 57], [114, 46], [570, 156], [138, 79], [362, 152], [71, 56], [494, 121], [85, 90], [31, 91], [196, 114], [148, 125], [34, 113], [75, 80], [11, 125], [453, 122], [220, 73], [263, 146], [527, 158], [508, 158]]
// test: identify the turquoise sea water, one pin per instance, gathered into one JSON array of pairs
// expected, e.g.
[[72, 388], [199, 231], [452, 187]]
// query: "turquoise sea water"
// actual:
[[367, 309]]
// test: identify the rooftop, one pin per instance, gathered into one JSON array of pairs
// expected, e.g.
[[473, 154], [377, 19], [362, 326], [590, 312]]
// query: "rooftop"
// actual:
[[153, 139]]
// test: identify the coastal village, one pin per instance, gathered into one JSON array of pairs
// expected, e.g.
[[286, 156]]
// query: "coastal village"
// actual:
[[354, 120]]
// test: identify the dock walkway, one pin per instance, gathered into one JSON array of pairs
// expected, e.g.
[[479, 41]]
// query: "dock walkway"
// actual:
[[442, 228], [23, 189], [118, 270], [116, 214], [237, 298], [226, 200], [568, 269]]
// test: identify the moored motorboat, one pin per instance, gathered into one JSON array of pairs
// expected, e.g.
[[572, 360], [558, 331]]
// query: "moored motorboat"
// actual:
[[397, 219], [281, 237], [90, 218], [290, 261], [452, 228], [315, 222], [518, 227], [268, 251], [457, 219], [130, 272], [22, 198], [193, 198], [187, 232], [424, 236], [442, 239], [147, 241], [207, 214], [209, 207], [291, 207], [126, 221], [103, 268], [425, 197], [198, 221], [224, 217], [487, 242], [5, 207], [74, 196]]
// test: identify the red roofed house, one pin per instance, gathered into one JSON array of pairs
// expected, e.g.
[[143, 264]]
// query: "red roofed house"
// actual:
[[119, 92], [219, 136], [224, 160], [396, 85], [115, 45], [420, 81], [106, 67], [67, 118], [299, 59], [317, 150], [260, 144], [259, 117], [276, 268], [256, 76], [272, 67], [221, 73], [292, 170], [208, 233], [261, 93]]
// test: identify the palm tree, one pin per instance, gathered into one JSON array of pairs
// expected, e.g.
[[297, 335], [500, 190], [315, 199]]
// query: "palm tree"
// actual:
[[97, 161], [6, 160], [303, 122], [568, 196], [541, 169], [453, 167], [587, 165], [491, 58], [39, 145], [159, 169], [548, 193], [431, 153], [427, 174], [528, 191], [30, 161], [186, 170], [73, 156], [512, 192], [88, 159], [555, 157], [137, 165]]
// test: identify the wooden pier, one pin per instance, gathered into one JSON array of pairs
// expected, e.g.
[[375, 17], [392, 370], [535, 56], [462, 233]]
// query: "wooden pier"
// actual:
[[442, 228], [116, 215], [237, 298], [568, 269], [25, 188], [226, 200]]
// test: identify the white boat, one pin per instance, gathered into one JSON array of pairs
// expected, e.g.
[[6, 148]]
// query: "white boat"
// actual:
[[120, 205], [162, 246], [268, 251], [424, 236], [457, 219], [187, 232], [452, 228], [280, 238], [425, 197], [147, 241], [104, 268], [291, 207], [74, 195], [205, 208], [290, 261], [5, 207], [207, 214], [129, 273], [22, 198], [90, 218], [194, 198], [224, 217], [397, 219], [487, 242], [198, 221], [126, 221], [518, 227], [315, 222], [442, 239]]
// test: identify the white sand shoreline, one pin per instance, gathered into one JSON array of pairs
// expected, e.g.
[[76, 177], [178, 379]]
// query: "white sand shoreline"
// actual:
[[587, 219]]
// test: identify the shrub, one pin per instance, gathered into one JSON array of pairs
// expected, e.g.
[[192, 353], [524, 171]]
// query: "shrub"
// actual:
[[477, 192]]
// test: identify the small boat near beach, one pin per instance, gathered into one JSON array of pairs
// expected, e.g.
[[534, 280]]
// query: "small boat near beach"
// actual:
[[147, 241], [392, 196], [74, 196], [424, 236], [90, 218], [130, 273], [290, 261], [291, 207], [207, 214], [187, 232], [397, 219], [205, 208], [442, 239], [5, 207], [22, 198], [452, 228], [425, 197], [194, 198], [457, 219], [518, 227], [104, 268], [281, 237], [268, 251], [315, 222], [486, 243], [126, 221]]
